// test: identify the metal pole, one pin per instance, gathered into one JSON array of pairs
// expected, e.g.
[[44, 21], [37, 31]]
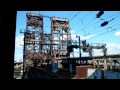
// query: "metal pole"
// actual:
[[24, 57], [79, 48]]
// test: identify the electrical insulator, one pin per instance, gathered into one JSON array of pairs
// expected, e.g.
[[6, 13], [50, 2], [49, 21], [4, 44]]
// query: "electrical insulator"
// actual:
[[104, 23], [100, 13]]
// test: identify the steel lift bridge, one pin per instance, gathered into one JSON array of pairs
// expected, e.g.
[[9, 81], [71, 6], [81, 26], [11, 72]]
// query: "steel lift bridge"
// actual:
[[40, 47]]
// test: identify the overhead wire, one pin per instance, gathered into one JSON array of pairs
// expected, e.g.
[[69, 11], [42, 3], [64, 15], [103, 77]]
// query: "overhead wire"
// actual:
[[67, 17], [104, 29], [113, 26], [112, 15], [105, 33], [100, 26], [82, 18], [75, 15], [70, 14], [71, 18], [89, 23], [86, 25], [103, 19]]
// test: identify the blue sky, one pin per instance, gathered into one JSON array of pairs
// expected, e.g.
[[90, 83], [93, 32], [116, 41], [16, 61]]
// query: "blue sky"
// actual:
[[79, 20]]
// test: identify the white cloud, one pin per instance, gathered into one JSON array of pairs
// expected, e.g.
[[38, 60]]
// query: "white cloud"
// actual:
[[97, 52], [113, 45], [87, 37], [82, 37], [73, 36], [117, 33], [72, 31], [18, 47], [113, 48], [19, 41]]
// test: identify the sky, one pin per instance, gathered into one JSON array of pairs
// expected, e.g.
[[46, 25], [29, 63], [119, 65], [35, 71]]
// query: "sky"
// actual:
[[82, 23]]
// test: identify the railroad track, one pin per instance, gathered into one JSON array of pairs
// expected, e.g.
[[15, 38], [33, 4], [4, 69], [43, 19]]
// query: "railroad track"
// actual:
[[47, 74], [42, 73]]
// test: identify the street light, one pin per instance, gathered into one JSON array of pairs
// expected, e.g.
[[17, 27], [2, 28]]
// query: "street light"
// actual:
[[79, 46]]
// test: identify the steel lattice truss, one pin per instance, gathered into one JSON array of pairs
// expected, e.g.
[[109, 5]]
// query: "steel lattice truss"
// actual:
[[34, 38], [61, 36], [39, 46]]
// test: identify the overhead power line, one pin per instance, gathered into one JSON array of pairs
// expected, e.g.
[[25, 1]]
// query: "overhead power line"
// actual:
[[113, 26], [92, 32], [104, 23], [75, 15], [81, 20], [87, 14], [72, 17], [89, 23], [105, 33], [104, 19], [112, 15], [70, 14]]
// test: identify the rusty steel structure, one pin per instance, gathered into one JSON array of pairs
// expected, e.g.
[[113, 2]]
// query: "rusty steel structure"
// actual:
[[61, 35], [40, 47], [34, 39]]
